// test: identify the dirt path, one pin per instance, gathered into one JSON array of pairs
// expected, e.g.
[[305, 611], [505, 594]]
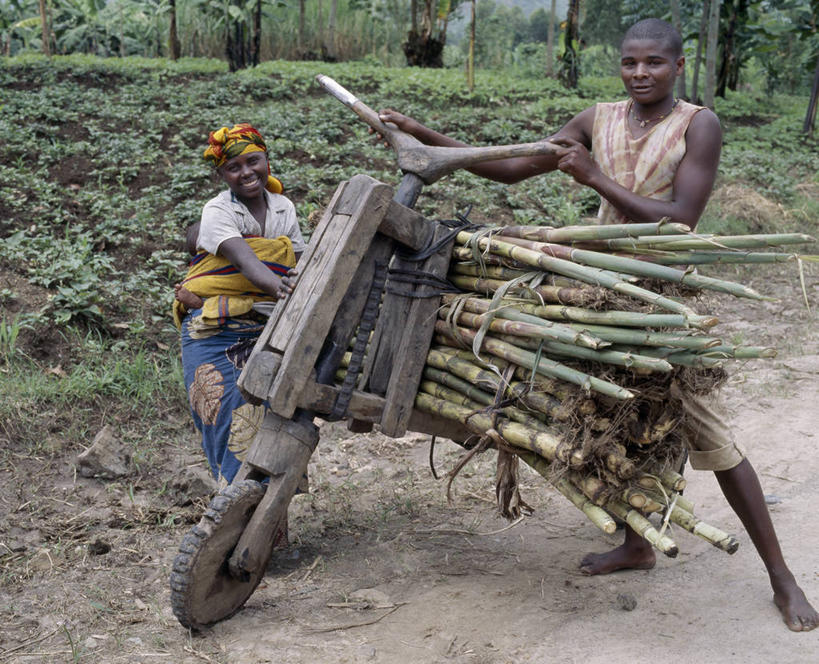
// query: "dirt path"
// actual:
[[381, 569]]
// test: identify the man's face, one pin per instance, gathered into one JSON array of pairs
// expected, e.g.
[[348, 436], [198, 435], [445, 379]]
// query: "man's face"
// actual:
[[246, 175], [649, 69]]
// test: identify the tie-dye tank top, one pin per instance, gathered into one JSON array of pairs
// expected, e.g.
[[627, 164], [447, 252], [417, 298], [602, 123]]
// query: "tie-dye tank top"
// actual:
[[644, 165]]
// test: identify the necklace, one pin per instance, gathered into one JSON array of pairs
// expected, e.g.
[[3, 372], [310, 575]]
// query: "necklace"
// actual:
[[643, 123]]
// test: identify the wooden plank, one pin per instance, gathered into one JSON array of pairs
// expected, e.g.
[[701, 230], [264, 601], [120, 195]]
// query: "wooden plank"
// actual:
[[257, 375], [407, 226], [321, 399], [256, 378], [406, 359], [437, 426], [310, 310], [348, 316]]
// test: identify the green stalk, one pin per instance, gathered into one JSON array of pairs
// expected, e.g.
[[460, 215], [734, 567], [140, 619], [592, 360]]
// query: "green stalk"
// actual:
[[674, 356], [715, 536], [548, 445], [642, 526], [541, 364], [631, 359], [576, 271], [543, 330], [591, 232], [640, 268], [595, 514], [558, 294], [556, 387], [614, 318], [475, 376], [689, 242], [710, 257], [632, 337]]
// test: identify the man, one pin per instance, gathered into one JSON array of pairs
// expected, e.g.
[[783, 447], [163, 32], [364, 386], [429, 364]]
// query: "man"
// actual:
[[655, 157]]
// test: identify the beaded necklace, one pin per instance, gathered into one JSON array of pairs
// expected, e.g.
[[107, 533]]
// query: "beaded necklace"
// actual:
[[643, 123]]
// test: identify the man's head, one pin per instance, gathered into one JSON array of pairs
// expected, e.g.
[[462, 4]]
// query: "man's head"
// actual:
[[656, 30], [227, 147], [650, 60]]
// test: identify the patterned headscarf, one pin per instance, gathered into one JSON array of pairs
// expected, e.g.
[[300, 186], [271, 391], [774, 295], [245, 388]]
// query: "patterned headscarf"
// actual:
[[226, 144]]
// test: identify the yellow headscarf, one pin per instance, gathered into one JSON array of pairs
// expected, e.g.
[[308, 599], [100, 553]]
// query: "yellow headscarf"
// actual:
[[225, 144]]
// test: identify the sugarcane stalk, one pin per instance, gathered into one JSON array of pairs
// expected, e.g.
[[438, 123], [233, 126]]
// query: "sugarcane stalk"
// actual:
[[467, 370], [598, 516], [557, 294], [526, 358], [631, 359], [535, 383], [580, 272], [673, 356], [548, 445], [500, 272], [707, 257], [437, 386], [546, 330], [635, 337], [642, 526], [696, 242], [592, 232], [618, 318], [640, 268], [741, 352], [692, 524], [592, 487]]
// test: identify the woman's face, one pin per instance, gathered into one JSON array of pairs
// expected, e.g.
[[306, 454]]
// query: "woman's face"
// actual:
[[649, 69], [246, 175]]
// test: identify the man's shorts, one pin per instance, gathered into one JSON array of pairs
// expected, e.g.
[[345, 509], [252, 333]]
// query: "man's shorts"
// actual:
[[711, 444]]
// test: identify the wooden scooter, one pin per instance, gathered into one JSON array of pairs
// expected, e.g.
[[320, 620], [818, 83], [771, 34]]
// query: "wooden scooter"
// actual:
[[371, 277]]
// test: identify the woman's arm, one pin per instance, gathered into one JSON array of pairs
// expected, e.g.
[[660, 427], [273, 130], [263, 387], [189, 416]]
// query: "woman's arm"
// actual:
[[239, 253]]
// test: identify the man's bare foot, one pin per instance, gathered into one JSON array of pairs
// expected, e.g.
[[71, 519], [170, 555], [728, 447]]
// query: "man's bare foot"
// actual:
[[623, 557], [796, 611], [190, 300], [633, 553]]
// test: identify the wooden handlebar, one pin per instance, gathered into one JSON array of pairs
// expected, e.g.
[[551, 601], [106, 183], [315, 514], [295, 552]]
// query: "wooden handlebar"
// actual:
[[431, 162]]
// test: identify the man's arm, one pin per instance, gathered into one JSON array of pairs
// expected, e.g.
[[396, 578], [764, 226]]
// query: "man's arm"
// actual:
[[692, 184], [239, 253], [508, 171]]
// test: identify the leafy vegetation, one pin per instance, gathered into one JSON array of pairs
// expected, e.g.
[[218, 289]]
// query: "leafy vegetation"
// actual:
[[101, 172]]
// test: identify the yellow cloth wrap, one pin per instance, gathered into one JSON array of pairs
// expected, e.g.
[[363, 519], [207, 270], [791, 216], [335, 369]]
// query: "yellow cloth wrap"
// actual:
[[225, 144], [232, 294]]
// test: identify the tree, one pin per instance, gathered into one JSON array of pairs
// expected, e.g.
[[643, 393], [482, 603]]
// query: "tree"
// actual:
[[427, 36], [676, 21], [711, 54], [571, 66], [174, 48], [470, 62], [44, 26], [702, 39], [550, 44], [810, 116]]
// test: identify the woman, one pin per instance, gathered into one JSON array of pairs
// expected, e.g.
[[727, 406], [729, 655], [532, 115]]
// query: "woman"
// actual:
[[246, 244]]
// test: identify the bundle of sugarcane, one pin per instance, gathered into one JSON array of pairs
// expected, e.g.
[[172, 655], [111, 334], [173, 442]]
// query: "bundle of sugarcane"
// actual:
[[563, 350]]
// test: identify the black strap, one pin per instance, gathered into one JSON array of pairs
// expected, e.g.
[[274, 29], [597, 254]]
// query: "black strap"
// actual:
[[368, 319]]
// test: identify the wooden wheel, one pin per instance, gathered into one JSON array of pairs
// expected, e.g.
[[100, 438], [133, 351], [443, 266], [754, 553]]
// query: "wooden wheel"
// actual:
[[203, 591]]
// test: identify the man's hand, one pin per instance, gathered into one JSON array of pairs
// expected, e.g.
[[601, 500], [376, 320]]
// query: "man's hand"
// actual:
[[576, 161]]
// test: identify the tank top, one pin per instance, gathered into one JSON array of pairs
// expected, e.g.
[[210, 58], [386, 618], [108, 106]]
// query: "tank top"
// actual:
[[645, 165]]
